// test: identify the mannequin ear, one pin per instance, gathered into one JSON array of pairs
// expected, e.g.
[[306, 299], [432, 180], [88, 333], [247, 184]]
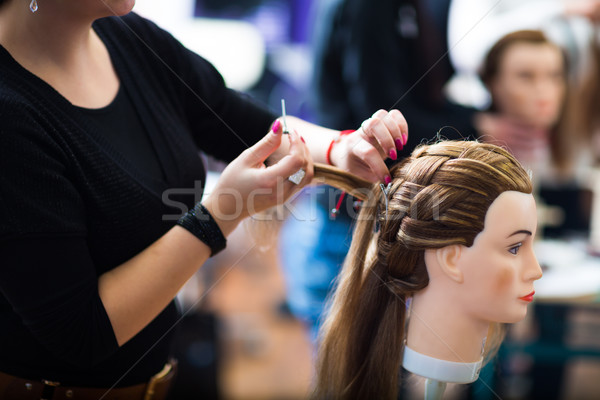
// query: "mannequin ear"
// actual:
[[448, 259]]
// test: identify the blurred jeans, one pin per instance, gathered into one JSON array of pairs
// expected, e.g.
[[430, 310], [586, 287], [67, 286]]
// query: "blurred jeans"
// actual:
[[312, 248]]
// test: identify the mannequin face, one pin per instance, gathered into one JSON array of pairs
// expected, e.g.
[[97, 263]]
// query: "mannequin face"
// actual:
[[498, 270], [530, 85]]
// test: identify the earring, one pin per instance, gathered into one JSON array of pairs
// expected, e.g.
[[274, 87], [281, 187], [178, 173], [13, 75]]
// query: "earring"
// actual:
[[33, 6]]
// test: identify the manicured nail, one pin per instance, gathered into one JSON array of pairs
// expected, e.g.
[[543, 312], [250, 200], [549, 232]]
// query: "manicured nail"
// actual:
[[276, 126], [301, 138], [404, 138], [388, 180], [393, 154], [399, 143], [365, 124]]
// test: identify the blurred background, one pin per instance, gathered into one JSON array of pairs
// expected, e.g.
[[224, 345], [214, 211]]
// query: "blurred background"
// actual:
[[247, 334]]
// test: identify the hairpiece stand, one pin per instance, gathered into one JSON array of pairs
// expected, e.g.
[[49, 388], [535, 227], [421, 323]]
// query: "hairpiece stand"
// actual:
[[438, 372], [434, 390]]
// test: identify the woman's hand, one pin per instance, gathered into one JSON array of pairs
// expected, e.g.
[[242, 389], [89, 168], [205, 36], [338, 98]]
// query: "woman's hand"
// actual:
[[364, 151], [247, 186]]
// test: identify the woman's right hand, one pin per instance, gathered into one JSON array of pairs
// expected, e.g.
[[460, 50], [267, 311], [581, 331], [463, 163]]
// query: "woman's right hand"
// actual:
[[247, 186]]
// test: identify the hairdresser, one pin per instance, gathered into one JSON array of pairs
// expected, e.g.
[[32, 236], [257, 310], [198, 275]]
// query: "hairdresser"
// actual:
[[102, 118]]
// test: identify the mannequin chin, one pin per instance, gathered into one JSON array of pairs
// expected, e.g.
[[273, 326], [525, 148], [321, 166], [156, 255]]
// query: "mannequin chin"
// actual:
[[471, 287]]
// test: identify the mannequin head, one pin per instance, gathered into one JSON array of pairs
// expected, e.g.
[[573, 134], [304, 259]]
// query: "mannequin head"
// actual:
[[489, 280], [525, 74], [438, 208]]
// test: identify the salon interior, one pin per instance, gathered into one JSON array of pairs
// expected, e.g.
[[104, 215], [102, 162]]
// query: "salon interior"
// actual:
[[242, 336]]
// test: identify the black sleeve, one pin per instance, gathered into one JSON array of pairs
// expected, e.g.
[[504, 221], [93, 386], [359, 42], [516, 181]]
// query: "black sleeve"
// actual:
[[46, 273], [224, 122]]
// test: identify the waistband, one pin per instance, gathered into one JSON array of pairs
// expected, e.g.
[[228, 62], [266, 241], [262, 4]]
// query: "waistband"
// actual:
[[157, 388]]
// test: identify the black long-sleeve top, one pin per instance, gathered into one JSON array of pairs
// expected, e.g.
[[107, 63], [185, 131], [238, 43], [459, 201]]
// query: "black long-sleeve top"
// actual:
[[74, 205]]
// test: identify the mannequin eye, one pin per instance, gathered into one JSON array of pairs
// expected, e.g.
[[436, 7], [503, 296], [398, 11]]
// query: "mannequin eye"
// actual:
[[515, 249]]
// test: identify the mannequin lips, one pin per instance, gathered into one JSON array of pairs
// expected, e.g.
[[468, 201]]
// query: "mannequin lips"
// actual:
[[528, 298]]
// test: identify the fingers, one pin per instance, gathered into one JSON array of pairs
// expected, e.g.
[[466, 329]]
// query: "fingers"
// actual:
[[378, 171], [387, 132], [402, 125], [258, 153]]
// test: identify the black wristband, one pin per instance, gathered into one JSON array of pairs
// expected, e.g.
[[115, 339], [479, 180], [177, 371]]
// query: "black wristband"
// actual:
[[202, 225]]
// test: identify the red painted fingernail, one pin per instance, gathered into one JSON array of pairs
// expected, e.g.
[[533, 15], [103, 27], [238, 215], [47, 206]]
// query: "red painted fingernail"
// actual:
[[388, 180], [393, 154], [301, 138], [399, 144], [404, 138], [276, 126]]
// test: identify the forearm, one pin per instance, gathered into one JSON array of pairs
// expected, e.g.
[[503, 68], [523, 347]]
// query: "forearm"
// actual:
[[135, 292]]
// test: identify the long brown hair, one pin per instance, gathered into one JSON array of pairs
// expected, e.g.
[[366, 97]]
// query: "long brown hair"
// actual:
[[587, 101], [438, 196], [561, 140]]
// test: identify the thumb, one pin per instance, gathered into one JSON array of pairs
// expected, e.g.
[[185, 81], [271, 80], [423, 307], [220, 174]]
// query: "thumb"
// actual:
[[258, 153]]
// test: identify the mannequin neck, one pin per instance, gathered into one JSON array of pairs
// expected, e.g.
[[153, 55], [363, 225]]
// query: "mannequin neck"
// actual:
[[440, 370], [439, 328]]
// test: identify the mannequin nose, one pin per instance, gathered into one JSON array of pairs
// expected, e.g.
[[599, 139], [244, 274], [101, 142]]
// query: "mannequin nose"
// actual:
[[532, 270]]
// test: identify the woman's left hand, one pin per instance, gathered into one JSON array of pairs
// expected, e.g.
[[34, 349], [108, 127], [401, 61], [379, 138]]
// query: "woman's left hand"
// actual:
[[364, 151]]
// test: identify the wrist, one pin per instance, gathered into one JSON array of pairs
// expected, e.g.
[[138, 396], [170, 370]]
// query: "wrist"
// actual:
[[200, 223], [329, 155], [223, 213]]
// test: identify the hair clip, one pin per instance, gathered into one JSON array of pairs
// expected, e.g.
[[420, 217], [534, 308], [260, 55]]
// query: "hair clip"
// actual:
[[530, 173], [386, 192]]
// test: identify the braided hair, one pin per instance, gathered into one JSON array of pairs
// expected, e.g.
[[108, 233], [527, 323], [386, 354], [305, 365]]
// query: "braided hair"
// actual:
[[439, 196]]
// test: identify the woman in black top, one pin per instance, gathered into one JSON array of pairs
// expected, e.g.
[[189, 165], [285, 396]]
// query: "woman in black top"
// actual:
[[101, 120]]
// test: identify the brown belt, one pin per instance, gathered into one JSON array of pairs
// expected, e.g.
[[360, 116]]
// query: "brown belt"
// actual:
[[14, 388]]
